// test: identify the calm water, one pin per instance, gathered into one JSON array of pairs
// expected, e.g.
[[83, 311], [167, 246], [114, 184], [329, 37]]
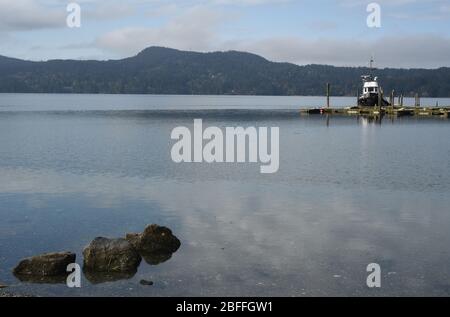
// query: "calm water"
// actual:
[[349, 192]]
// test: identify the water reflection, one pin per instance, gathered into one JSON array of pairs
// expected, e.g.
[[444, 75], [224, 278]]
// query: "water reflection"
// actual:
[[42, 279], [107, 277], [156, 258], [344, 197]]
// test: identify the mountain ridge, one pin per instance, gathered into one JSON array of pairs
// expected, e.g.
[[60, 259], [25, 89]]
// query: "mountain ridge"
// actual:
[[160, 70]]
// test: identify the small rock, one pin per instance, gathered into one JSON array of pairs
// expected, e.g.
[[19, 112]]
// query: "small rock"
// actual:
[[154, 239], [146, 283], [111, 255], [50, 264]]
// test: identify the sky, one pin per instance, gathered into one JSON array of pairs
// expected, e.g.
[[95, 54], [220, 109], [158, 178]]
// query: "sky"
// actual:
[[412, 34]]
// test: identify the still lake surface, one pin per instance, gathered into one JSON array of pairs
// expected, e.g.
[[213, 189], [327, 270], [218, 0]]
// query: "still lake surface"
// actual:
[[349, 192]]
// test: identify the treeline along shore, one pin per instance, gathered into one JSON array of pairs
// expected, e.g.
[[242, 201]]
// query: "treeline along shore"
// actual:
[[158, 70]]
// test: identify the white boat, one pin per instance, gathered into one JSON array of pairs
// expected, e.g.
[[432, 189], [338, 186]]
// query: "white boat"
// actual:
[[371, 91]]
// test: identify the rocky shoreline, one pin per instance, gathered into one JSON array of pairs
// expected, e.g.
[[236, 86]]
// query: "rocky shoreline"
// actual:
[[104, 259]]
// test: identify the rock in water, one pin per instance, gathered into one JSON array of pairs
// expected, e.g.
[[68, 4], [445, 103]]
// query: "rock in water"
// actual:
[[111, 255], [50, 264], [154, 239], [146, 283], [134, 239]]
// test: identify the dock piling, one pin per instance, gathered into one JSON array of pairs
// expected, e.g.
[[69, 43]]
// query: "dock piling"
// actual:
[[392, 99], [380, 99], [417, 102], [328, 94]]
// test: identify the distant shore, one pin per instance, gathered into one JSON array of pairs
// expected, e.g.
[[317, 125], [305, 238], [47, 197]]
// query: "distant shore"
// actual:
[[159, 70]]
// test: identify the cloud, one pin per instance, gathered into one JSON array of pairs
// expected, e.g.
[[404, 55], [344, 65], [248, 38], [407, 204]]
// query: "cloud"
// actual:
[[195, 29], [407, 9], [108, 11], [426, 50], [353, 3], [249, 2], [29, 15], [207, 25]]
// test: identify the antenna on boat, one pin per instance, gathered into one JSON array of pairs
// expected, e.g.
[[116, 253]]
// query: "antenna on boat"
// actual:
[[371, 63]]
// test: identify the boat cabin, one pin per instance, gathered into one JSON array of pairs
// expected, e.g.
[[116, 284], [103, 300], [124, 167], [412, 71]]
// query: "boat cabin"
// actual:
[[370, 85]]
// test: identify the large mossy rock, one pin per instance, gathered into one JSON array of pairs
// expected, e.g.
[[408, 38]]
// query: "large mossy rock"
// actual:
[[50, 264], [154, 240], [111, 255]]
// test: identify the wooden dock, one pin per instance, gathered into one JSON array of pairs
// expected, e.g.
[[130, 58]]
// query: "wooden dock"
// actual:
[[394, 109], [397, 111]]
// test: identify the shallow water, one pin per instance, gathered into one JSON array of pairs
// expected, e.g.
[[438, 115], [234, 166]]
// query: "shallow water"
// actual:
[[349, 192]]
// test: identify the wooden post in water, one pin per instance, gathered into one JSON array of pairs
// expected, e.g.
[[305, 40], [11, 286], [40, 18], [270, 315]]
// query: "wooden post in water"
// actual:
[[380, 97], [392, 99], [417, 103], [401, 102], [328, 94], [357, 97]]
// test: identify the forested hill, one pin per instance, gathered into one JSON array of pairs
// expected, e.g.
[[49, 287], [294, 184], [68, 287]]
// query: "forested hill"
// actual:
[[159, 70]]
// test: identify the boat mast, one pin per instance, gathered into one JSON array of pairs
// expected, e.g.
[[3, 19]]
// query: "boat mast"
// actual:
[[371, 66]]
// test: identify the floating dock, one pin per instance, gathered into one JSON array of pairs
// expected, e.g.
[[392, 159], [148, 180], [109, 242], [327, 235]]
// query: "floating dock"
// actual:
[[393, 109], [396, 111]]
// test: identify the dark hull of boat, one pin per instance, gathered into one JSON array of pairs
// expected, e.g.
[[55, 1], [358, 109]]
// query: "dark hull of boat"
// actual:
[[371, 101]]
